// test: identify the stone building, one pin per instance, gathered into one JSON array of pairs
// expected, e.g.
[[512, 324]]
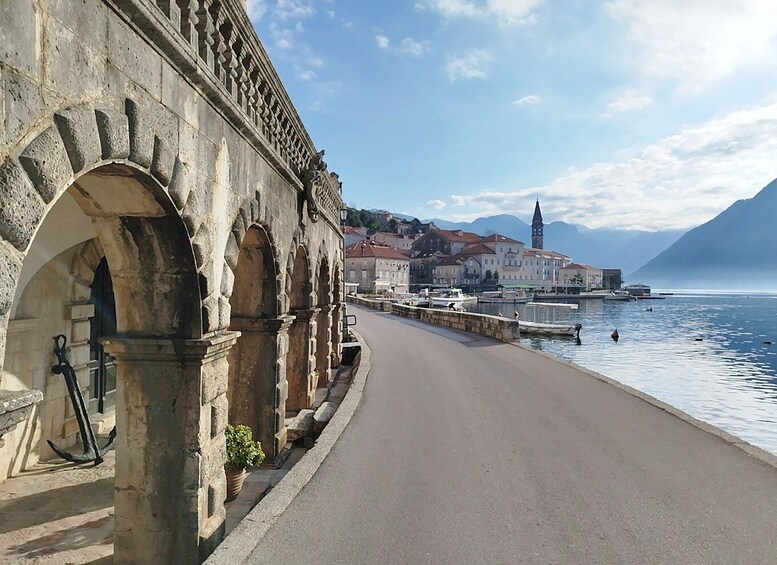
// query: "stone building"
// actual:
[[447, 242], [582, 275], [541, 268], [377, 267], [162, 207]]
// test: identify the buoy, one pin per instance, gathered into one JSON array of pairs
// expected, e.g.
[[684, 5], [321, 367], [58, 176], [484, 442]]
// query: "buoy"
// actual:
[[615, 335]]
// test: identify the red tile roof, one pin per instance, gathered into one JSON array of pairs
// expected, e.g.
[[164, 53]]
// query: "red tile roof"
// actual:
[[553, 254], [498, 238], [373, 249], [477, 249], [457, 235]]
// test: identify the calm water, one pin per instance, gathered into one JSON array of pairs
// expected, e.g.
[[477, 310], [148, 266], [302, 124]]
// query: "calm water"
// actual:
[[728, 379]]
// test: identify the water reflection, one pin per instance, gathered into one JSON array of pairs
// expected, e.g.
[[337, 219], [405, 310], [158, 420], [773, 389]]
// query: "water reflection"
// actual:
[[704, 354]]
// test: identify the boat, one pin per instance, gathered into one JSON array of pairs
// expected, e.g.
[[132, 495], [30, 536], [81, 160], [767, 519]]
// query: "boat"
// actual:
[[450, 298], [549, 312], [619, 295], [503, 297]]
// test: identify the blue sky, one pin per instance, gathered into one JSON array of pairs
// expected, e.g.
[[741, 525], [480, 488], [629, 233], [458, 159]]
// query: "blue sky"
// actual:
[[624, 113]]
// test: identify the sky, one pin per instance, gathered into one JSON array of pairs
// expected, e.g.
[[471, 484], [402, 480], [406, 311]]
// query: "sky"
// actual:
[[621, 113]]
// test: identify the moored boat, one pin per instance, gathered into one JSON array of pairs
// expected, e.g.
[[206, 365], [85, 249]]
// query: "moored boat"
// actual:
[[550, 325]]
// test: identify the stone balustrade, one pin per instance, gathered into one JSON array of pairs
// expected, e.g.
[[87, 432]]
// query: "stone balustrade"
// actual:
[[495, 327], [214, 45]]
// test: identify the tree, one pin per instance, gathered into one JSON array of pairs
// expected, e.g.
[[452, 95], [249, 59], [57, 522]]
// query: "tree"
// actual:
[[578, 280]]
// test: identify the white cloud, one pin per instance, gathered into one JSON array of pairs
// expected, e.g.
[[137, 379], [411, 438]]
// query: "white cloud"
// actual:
[[677, 182], [696, 42], [289, 9], [529, 100], [507, 13], [256, 9], [472, 65], [382, 41], [410, 46], [436, 204], [307, 75], [627, 102]]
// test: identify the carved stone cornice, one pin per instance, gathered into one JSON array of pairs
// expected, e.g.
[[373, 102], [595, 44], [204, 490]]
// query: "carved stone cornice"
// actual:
[[213, 45]]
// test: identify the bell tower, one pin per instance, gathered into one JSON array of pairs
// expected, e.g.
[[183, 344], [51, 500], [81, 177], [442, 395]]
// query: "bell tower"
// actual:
[[537, 227]]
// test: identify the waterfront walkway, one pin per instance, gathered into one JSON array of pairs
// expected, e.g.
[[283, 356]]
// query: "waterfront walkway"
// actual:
[[465, 450]]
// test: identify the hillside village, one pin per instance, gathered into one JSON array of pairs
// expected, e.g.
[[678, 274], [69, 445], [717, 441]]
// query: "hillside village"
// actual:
[[400, 255]]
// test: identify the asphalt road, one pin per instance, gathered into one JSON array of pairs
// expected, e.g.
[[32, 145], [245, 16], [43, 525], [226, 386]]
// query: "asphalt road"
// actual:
[[464, 450]]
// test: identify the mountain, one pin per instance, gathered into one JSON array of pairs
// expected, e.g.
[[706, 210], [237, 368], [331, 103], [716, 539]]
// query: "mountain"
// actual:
[[606, 248], [734, 250]]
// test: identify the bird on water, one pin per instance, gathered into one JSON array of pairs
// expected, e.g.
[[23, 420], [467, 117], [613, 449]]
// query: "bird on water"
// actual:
[[615, 335]]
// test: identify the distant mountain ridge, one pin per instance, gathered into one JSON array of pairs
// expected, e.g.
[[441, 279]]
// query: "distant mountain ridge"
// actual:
[[605, 248], [735, 250]]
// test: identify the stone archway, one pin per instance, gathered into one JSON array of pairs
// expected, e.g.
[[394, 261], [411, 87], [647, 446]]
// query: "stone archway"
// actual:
[[255, 363], [323, 323], [337, 316], [170, 485], [299, 368]]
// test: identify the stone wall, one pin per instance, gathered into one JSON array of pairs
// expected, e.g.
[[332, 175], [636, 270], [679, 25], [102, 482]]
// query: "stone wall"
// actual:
[[168, 126], [494, 327]]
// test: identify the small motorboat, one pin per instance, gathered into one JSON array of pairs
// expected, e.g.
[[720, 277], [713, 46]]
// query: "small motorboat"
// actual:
[[545, 319]]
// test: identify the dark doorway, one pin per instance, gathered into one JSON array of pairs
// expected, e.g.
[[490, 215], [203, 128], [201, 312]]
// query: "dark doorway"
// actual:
[[102, 367]]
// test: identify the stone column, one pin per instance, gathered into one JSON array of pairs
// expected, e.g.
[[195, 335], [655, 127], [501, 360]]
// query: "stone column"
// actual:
[[170, 451], [324, 343], [301, 360], [337, 332], [258, 387]]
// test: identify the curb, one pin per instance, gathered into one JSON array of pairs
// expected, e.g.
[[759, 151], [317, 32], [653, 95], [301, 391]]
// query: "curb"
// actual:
[[237, 547], [760, 454]]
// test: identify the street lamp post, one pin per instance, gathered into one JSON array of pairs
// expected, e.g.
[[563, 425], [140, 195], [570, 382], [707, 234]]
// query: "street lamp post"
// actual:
[[343, 218]]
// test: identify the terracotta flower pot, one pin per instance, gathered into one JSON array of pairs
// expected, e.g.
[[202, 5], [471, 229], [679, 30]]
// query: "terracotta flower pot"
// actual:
[[234, 483]]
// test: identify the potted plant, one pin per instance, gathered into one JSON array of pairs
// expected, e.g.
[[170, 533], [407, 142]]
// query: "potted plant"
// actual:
[[242, 452]]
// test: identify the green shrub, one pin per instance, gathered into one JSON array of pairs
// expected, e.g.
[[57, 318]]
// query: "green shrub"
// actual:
[[242, 450]]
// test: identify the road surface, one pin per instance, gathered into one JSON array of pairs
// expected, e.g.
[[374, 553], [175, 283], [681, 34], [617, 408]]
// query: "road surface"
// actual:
[[464, 450]]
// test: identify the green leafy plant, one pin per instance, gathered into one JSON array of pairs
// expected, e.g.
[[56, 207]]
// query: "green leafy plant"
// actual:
[[242, 450]]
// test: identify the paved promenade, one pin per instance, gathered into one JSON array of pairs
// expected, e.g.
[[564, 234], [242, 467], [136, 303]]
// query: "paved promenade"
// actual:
[[464, 450]]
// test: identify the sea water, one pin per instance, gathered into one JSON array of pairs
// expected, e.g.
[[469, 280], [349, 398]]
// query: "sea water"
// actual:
[[708, 355]]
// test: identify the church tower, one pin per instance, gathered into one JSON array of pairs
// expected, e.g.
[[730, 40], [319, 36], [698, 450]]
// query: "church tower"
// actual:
[[536, 227]]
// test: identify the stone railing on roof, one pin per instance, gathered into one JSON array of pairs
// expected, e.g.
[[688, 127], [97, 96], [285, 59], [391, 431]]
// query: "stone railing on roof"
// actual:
[[213, 44]]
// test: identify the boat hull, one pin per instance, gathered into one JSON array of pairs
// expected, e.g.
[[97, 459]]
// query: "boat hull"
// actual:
[[543, 328]]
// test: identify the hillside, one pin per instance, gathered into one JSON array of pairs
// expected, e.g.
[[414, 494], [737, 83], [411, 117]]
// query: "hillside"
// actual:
[[734, 250]]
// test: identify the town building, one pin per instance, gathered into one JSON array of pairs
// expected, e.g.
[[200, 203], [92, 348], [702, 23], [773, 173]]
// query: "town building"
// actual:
[[540, 268], [164, 210], [612, 279], [353, 235], [400, 242], [581, 275], [422, 269], [447, 242], [377, 268]]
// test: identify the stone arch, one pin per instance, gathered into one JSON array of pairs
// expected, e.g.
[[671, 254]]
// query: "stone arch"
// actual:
[[122, 169], [323, 349], [256, 373], [299, 366]]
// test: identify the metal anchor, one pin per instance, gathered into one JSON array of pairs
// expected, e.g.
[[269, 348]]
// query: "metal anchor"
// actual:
[[92, 452]]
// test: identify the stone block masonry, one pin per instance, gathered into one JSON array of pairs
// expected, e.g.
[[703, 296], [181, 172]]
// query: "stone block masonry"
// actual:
[[494, 327]]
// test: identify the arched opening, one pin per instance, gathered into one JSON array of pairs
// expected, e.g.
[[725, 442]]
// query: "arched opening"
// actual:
[[323, 324], [169, 482], [102, 366], [253, 361], [337, 316], [301, 388]]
